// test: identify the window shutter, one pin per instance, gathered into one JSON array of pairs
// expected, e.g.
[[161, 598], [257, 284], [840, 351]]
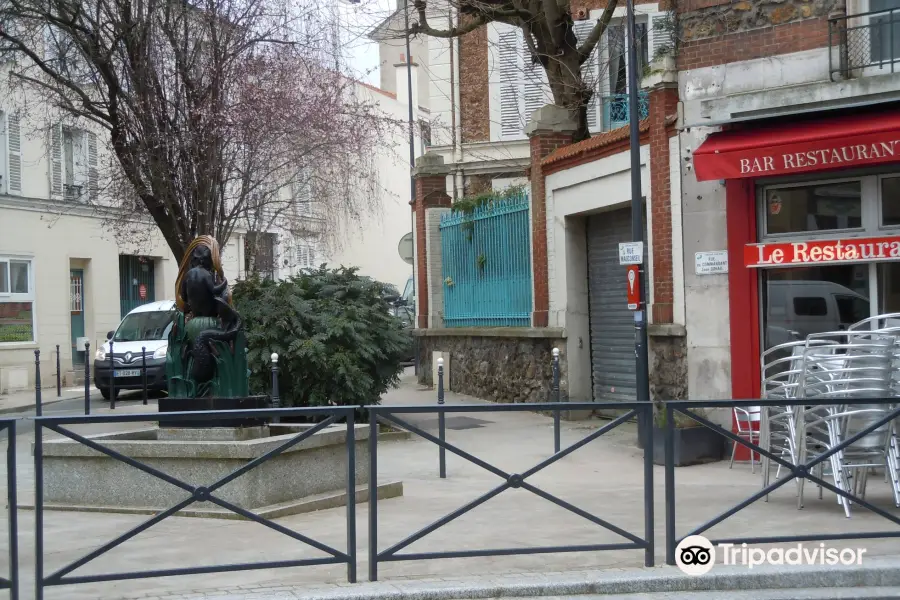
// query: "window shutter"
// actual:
[[510, 82], [14, 153], [660, 35], [590, 73], [56, 160], [534, 83], [93, 178]]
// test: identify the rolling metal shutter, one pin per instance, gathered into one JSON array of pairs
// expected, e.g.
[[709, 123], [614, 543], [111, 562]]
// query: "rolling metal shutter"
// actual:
[[612, 324]]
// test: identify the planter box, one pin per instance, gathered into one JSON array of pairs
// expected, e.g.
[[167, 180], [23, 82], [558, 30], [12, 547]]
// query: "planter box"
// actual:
[[693, 446]]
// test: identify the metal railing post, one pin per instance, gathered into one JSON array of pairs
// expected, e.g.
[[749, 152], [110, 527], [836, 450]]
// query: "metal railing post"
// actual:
[[671, 542], [112, 378], [58, 375], [650, 550], [276, 401], [144, 372], [351, 496], [442, 452], [12, 498], [38, 511], [556, 440], [38, 409], [373, 495], [87, 378]]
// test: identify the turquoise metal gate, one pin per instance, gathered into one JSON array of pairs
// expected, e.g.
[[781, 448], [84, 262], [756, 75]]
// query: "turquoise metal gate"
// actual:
[[486, 257]]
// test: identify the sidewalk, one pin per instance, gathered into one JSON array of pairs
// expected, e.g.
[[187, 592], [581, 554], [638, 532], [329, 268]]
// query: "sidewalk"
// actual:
[[24, 400], [604, 477], [879, 578]]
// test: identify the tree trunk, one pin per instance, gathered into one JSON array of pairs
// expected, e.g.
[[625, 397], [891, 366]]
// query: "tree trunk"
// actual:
[[569, 89]]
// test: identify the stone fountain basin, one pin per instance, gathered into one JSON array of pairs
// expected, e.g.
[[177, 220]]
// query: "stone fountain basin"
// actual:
[[311, 475]]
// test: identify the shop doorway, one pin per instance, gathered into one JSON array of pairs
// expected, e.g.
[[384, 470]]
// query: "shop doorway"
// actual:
[[76, 314], [613, 368]]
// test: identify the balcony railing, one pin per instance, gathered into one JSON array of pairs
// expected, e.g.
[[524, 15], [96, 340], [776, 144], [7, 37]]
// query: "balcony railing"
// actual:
[[865, 43], [72, 192], [616, 110]]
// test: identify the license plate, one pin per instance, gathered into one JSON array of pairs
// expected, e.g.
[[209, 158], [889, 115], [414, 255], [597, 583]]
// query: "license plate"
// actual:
[[127, 373]]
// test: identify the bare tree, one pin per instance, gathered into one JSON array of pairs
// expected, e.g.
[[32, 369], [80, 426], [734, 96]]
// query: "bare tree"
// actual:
[[214, 109], [549, 33]]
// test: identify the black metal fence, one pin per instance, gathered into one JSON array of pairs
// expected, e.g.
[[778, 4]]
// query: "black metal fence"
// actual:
[[389, 414], [804, 471], [205, 492], [864, 40], [398, 416]]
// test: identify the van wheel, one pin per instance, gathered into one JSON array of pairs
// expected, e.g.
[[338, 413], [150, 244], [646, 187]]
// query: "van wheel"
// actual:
[[105, 393]]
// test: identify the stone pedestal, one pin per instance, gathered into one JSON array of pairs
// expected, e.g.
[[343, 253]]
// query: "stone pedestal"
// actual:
[[311, 475]]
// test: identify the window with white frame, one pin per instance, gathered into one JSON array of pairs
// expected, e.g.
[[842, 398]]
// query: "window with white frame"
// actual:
[[74, 172], [12, 183], [523, 85], [16, 300], [306, 255]]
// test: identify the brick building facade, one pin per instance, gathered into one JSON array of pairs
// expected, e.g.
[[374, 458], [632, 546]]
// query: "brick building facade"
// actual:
[[743, 66]]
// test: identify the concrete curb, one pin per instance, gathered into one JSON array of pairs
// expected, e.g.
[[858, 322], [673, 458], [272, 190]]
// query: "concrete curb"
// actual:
[[877, 573]]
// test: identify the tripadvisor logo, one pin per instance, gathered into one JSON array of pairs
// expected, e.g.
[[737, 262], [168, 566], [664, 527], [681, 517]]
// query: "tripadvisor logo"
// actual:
[[696, 555]]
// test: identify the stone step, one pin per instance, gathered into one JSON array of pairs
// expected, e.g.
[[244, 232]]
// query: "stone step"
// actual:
[[865, 593]]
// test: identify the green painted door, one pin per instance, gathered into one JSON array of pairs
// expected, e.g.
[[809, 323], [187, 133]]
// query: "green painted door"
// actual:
[[136, 284], [76, 310]]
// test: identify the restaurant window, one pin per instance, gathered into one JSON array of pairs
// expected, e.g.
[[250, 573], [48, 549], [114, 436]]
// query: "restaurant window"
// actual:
[[811, 208], [16, 300], [804, 300], [890, 201]]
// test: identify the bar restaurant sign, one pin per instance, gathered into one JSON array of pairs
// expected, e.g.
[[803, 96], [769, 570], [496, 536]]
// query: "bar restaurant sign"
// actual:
[[791, 254]]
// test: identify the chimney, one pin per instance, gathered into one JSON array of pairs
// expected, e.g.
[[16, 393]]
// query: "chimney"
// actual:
[[400, 70]]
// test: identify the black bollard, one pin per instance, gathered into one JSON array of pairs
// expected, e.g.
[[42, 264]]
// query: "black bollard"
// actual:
[[38, 409], [144, 372], [556, 441], [112, 378], [442, 454], [87, 378], [58, 375], [276, 401]]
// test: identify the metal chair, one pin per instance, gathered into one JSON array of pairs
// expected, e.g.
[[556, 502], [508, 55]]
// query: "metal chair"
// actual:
[[745, 420]]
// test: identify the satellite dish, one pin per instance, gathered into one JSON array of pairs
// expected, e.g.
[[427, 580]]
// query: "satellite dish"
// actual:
[[405, 248]]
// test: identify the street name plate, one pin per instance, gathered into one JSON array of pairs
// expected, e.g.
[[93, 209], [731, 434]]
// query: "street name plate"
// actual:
[[631, 253], [711, 263]]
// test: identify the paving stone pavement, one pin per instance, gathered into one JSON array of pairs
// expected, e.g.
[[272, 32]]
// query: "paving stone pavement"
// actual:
[[605, 478], [879, 578]]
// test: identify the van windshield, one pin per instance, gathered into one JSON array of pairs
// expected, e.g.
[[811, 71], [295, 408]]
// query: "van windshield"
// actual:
[[141, 326]]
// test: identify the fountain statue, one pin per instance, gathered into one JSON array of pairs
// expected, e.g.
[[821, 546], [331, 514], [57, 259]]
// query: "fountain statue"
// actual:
[[207, 347]]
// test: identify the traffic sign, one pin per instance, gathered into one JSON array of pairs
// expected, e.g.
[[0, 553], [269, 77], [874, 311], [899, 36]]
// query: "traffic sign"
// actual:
[[405, 248], [631, 253], [634, 287]]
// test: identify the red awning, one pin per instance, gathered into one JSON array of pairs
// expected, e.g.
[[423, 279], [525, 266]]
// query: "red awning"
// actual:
[[824, 144]]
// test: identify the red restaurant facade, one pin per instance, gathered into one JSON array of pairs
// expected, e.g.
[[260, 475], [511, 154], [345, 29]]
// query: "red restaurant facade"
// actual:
[[813, 227]]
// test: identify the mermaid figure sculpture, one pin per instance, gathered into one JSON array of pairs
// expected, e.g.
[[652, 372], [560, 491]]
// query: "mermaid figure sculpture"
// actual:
[[206, 356]]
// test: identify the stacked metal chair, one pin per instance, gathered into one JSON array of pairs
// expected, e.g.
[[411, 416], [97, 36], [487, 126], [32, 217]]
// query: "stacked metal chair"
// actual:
[[827, 368]]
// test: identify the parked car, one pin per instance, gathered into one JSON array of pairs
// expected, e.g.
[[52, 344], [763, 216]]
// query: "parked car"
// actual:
[[140, 339], [403, 306]]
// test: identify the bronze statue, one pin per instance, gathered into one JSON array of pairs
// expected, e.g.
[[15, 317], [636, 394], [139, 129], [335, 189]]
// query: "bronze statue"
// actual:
[[206, 354]]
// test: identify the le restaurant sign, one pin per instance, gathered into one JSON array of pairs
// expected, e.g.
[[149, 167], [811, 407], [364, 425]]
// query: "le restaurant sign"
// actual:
[[792, 254]]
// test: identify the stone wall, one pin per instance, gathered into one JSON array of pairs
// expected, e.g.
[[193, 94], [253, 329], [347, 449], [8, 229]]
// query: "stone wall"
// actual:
[[722, 18], [716, 32], [499, 369], [668, 363]]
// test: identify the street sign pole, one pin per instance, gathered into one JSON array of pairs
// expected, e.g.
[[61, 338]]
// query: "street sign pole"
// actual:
[[637, 211]]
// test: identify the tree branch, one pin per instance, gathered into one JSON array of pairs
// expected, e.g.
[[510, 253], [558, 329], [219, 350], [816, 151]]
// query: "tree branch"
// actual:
[[593, 38]]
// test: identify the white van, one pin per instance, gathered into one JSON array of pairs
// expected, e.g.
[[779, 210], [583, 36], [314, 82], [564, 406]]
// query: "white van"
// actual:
[[795, 309], [141, 339]]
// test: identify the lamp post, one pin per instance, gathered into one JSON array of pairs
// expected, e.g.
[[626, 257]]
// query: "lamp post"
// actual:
[[412, 164], [642, 374]]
